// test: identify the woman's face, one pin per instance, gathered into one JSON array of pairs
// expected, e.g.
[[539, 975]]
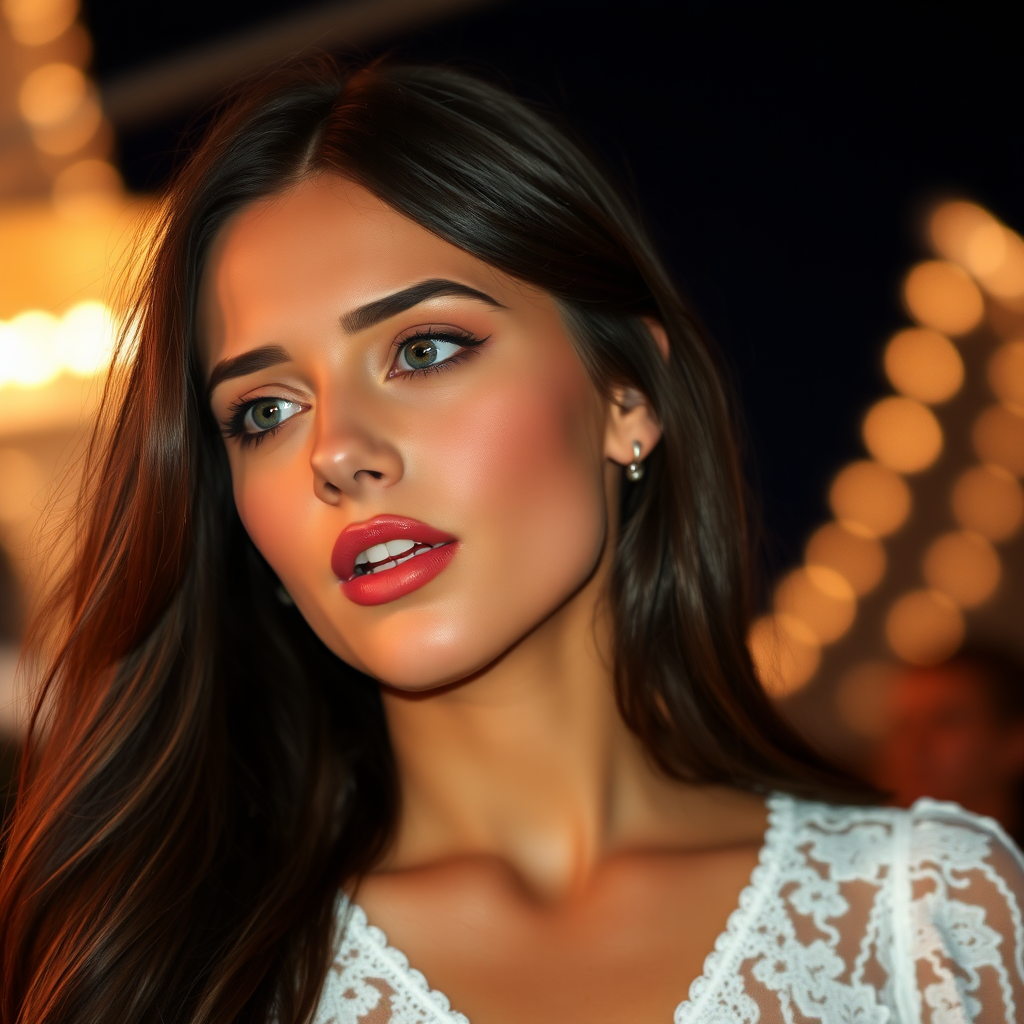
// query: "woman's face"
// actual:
[[385, 396]]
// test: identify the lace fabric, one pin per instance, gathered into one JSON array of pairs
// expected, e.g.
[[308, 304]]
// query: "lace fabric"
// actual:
[[852, 916]]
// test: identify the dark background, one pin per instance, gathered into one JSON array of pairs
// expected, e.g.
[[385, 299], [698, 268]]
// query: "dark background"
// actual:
[[784, 156]]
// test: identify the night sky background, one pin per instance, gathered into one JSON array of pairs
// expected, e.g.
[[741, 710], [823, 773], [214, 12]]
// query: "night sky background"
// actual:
[[784, 157]]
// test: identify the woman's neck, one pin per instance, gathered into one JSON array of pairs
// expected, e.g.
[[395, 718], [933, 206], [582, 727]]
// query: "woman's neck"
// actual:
[[530, 762]]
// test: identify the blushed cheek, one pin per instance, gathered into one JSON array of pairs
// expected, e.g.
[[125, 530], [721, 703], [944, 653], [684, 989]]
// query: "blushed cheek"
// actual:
[[532, 463]]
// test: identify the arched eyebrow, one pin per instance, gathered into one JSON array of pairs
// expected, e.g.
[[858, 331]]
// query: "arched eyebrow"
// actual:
[[246, 363], [361, 318]]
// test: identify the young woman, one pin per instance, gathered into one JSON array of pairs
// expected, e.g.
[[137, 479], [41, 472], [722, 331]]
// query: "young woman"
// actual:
[[411, 600]]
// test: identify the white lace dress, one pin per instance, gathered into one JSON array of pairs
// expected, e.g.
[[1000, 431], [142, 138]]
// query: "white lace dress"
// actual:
[[852, 916]]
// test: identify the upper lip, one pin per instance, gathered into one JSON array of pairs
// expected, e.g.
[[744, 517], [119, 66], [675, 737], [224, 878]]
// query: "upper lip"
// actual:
[[358, 537]]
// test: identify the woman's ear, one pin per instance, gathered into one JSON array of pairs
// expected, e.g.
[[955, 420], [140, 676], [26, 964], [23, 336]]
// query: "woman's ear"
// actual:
[[631, 421]]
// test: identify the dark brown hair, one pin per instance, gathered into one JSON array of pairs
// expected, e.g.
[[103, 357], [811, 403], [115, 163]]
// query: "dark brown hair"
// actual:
[[202, 774]]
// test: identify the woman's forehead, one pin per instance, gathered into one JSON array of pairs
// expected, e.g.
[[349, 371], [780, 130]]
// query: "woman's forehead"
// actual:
[[324, 247]]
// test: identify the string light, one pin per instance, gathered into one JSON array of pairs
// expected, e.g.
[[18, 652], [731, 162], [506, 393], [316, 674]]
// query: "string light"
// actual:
[[924, 364], [989, 501], [850, 550], [1006, 372], [924, 627], [902, 434], [964, 566], [871, 497], [846, 559], [785, 652], [940, 295], [998, 437]]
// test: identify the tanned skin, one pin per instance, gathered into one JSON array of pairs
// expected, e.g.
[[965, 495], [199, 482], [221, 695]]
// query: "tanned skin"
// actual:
[[544, 871]]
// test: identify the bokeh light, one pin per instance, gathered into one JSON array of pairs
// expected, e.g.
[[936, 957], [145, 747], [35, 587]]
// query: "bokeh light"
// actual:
[[924, 627], [87, 188], [940, 295], [37, 22], [959, 231], [993, 253], [51, 94], [963, 565], [820, 598], [989, 501], [924, 364], [998, 437], [36, 346], [850, 550], [902, 434], [871, 496], [863, 698], [1006, 372], [785, 653]]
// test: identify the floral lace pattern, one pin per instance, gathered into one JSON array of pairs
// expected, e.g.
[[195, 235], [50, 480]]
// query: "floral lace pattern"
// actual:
[[852, 916]]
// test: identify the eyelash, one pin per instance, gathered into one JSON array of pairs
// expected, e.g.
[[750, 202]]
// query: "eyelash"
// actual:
[[234, 426], [466, 341]]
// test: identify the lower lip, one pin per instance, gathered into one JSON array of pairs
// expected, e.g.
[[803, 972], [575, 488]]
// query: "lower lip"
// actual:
[[390, 585]]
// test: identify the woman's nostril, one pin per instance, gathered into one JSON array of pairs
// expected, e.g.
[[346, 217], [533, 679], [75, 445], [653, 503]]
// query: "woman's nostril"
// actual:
[[376, 474]]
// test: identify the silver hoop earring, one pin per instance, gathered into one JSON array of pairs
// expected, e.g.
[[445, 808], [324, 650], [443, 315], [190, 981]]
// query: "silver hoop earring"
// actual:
[[635, 470]]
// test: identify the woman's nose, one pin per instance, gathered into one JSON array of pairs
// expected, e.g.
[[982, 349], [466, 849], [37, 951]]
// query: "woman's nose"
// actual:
[[350, 460]]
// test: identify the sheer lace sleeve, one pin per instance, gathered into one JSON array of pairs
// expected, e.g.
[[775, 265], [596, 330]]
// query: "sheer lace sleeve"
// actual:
[[966, 890]]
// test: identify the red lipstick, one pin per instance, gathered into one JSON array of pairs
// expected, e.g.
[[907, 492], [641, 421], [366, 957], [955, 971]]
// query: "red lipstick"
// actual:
[[418, 553]]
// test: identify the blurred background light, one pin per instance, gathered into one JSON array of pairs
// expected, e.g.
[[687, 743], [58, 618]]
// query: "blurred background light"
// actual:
[[37, 22], [963, 565], [86, 188], [36, 346], [863, 697], [988, 500], [954, 226], [785, 653], [998, 437], [51, 94], [924, 627], [850, 550], [924, 364], [871, 496], [1006, 372], [23, 479], [990, 251], [939, 294], [902, 434], [820, 598]]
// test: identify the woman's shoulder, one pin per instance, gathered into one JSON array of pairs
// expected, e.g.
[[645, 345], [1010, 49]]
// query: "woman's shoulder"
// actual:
[[933, 895]]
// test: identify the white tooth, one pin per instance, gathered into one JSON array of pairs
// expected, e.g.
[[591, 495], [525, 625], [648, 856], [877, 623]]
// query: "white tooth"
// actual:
[[361, 558], [405, 559], [399, 547], [377, 553], [441, 545], [386, 565]]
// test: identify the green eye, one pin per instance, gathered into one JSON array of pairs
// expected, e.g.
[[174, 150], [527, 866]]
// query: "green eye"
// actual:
[[268, 413], [420, 353]]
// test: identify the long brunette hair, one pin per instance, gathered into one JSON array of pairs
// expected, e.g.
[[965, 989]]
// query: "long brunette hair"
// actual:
[[202, 775]]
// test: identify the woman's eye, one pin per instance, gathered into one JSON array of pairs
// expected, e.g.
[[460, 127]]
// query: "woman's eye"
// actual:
[[422, 353], [268, 413]]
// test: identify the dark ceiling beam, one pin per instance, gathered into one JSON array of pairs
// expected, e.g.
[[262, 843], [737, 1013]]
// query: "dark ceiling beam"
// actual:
[[194, 77]]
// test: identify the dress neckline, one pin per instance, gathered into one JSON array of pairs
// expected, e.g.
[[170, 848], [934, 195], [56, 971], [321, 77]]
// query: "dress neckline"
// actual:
[[726, 947]]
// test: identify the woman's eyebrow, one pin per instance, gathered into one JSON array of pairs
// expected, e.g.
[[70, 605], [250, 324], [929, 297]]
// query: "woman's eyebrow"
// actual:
[[247, 362], [391, 305]]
